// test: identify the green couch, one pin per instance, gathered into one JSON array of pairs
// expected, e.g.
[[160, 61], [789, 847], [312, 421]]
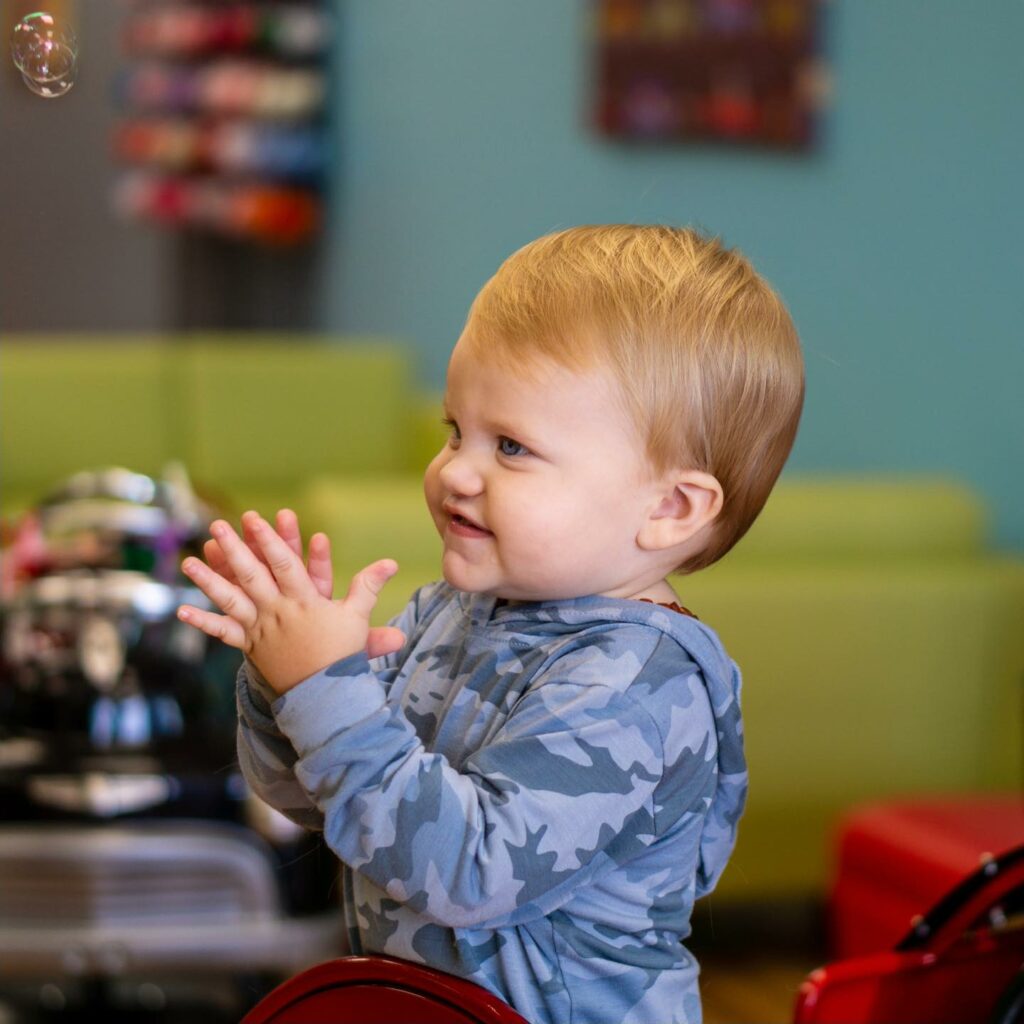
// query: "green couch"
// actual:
[[252, 417], [880, 639]]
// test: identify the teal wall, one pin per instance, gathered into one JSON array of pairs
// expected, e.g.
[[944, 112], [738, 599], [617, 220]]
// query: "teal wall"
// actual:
[[462, 134]]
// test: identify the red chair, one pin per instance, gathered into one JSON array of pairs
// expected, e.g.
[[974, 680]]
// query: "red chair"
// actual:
[[897, 858], [961, 963], [379, 990]]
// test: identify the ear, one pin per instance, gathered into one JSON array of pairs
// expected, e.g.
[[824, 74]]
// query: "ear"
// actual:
[[689, 501]]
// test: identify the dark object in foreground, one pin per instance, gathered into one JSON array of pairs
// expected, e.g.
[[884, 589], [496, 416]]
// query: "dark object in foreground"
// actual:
[[137, 872]]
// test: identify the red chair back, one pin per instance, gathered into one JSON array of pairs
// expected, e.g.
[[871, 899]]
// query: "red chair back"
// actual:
[[954, 967], [379, 990]]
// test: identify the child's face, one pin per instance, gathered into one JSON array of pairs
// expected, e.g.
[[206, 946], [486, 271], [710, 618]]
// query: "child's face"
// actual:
[[543, 486]]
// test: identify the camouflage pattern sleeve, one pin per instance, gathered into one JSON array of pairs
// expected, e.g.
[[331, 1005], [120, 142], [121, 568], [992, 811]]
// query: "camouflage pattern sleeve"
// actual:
[[563, 790], [266, 756]]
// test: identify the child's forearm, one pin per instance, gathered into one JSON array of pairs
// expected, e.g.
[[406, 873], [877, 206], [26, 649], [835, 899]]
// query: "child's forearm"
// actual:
[[266, 756]]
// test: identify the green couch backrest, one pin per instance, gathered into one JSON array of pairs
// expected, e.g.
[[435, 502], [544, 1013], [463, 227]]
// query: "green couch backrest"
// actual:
[[243, 411], [74, 402], [865, 518], [275, 411]]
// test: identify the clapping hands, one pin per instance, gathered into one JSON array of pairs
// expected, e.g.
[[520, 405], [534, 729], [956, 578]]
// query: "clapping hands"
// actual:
[[277, 608]]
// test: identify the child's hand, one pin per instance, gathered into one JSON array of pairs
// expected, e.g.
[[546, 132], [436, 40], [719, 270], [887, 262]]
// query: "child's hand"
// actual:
[[318, 562], [275, 612]]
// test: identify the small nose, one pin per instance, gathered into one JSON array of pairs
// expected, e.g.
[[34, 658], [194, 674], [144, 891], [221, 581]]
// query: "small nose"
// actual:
[[459, 475]]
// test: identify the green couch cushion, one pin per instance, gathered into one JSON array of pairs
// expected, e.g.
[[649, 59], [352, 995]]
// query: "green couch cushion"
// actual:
[[909, 660], [369, 518], [69, 403], [861, 682], [230, 502], [277, 411]]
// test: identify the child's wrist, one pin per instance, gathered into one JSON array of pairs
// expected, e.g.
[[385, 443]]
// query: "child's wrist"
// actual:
[[281, 680]]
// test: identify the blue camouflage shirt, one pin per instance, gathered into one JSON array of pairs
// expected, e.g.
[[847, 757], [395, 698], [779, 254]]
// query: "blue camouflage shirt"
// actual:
[[530, 796]]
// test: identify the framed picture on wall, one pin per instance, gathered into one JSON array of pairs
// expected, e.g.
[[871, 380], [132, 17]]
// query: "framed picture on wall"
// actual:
[[737, 71]]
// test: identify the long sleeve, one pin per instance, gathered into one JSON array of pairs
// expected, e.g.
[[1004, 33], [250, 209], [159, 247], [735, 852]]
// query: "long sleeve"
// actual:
[[266, 755], [564, 790]]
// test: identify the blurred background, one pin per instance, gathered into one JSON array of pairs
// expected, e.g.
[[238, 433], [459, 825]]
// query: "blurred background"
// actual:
[[235, 253]]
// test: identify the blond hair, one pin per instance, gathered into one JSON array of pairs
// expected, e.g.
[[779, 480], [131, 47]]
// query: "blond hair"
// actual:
[[706, 354]]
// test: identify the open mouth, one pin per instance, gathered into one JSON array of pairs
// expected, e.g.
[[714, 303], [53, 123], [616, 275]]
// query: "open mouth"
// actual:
[[466, 527]]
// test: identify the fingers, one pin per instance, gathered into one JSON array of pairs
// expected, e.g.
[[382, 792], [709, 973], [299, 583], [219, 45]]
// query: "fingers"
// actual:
[[384, 640], [367, 584], [216, 561], [287, 523], [282, 560], [321, 571], [249, 520], [319, 565], [214, 555], [227, 596], [287, 527], [220, 627], [249, 572], [318, 562]]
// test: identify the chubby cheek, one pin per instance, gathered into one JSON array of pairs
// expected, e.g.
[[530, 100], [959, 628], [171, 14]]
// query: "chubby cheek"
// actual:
[[540, 527], [543, 557], [572, 528]]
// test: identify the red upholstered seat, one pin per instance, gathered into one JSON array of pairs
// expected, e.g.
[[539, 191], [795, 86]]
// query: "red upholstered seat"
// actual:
[[379, 990], [896, 859]]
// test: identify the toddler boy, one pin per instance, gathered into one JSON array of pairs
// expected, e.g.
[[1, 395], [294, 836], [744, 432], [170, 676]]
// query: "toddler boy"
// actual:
[[531, 775]]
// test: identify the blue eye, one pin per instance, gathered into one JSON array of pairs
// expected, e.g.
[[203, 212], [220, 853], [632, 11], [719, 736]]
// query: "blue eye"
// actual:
[[511, 448]]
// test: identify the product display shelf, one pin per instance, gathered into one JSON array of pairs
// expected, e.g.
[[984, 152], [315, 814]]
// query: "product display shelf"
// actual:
[[224, 116]]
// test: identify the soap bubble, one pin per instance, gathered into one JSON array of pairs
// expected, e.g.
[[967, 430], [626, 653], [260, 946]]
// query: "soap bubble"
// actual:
[[45, 51], [50, 88]]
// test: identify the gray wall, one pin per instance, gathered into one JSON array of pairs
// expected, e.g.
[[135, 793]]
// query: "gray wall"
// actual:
[[65, 262]]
